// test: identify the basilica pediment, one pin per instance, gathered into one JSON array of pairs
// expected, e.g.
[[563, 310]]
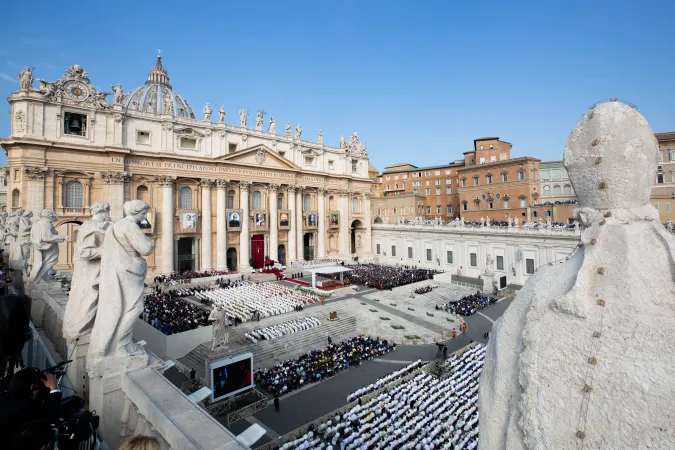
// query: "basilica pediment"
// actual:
[[259, 156]]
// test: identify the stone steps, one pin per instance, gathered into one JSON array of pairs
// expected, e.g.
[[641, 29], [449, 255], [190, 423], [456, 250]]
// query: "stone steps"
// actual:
[[265, 353]]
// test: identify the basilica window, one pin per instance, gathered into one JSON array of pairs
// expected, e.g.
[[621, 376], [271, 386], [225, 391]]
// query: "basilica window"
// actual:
[[522, 203], [355, 166], [185, 198], [256, 200], [556, 189], [73, 194], [280, 201], [505, 177], [74, 124], [567, 189], [231, 148], [230, 199], [307, 204], [15, 198], [143, 137], [506, 203], [142, 193], [529, 266], [475, 181], [488, 178], [355, 205]]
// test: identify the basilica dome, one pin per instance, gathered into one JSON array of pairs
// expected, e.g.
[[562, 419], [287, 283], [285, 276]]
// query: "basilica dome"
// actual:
[[156, 95]]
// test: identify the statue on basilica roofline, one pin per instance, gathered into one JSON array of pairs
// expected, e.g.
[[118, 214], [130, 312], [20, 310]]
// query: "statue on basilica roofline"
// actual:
[[26, 79], [168, 103], [298, 132], [288, 129], [242, 118], [319, 137], [118, 94], [207, 112], [221, 114], [259, 120], [343, 143], [273, 126]]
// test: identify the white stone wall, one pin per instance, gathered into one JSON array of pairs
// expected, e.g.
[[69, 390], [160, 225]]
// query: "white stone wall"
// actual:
[[514, 245]]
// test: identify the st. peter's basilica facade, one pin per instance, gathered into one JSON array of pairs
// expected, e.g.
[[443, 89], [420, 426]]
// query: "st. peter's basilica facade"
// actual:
[[220, 194]]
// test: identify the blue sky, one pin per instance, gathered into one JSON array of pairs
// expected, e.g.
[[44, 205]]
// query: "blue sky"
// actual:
[[417, 80]]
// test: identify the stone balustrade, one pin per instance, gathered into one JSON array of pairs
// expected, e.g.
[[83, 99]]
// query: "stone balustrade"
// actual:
[[484, 229]]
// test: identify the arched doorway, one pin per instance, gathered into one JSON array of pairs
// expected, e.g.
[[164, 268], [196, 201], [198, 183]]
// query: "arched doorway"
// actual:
[[355, 242], [281, 251], [258, 250], [186, 254], [231, 259]]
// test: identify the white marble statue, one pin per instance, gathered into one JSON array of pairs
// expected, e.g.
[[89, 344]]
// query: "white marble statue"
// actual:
[[488, 222], [259, 120], [482, 221], [3, 233], [548, 223], [220, 331], [44, 252], [273, 126], [12, 240], [582, 357], [288, 129], [515, 222], [168, 103], [319, 137], [298, 131], [510, 222], [343, 143], [25, 225], [208, 110], [83, 299], [488, 262], [242, 118], [123, 272], [221, 114], [26, 79], [118, 94]]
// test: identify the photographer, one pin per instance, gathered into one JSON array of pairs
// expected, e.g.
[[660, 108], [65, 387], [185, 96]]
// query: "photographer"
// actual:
[[31, 395]]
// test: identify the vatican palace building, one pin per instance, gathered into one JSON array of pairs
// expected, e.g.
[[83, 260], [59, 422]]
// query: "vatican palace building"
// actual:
[[221, 195]]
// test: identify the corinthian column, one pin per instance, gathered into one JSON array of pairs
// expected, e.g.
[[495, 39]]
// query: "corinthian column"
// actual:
[[207, 234], [221, 227], [299, 206], [166, 185], [244, 237], [367, 244], [273, 222], [116, 181], [345, 251], [321, 238], [292, 257]]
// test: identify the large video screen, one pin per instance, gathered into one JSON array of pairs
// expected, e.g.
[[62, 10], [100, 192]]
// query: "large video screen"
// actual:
[[230, 376]]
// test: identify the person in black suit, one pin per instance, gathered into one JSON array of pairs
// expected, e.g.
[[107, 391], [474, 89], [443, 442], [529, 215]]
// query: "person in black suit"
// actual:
[[30, 396], [234, 220], [34, 435]]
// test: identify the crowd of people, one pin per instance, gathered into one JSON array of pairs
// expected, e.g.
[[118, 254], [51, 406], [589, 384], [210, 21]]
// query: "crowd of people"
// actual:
[[381, 382], [171, 314], [186, 276], [283, 329], [558, 202], [245, 300], [549, 224], [318, 365], [469, 304], [424, 413], [384, 277]]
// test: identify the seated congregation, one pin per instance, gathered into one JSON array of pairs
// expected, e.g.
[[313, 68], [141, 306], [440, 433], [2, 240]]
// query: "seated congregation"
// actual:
[[170, 314], [469, 304], [381, 382], [424, 413], [245, 300], [318, 365], [384, 277], [283, 329]]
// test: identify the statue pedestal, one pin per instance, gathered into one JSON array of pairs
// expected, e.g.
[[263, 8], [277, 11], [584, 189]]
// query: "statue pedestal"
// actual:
[[106, 396], [77, 370], [37, 293], [488, 279]]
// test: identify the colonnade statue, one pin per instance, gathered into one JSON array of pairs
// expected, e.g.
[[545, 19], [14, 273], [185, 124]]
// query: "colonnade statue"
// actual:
[[84, 293], [123, 271], [44, 252], [220, 323]]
